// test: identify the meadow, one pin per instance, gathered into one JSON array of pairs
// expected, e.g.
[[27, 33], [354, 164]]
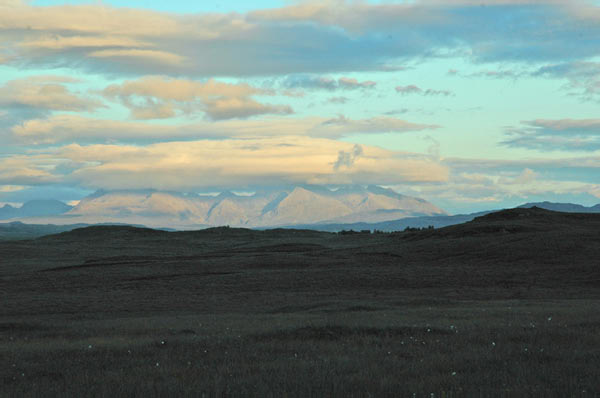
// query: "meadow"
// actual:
[[506, 305]]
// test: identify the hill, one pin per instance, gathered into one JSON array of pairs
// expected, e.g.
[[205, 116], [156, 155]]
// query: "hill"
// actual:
[[523, 245], [504, 304], [18, 230]]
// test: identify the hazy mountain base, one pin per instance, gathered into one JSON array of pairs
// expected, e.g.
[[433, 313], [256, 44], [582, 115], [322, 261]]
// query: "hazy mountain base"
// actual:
[[505, 305], [18, 230]]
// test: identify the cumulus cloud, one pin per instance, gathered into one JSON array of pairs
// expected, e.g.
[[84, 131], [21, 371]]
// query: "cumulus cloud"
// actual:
[[326, 83], [413, 89], [156, 97], [45, 93], [75, 128], [553, 135]]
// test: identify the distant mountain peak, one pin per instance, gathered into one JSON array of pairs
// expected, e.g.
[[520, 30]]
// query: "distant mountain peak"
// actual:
[[563, 207], [375, 189], [35, 208]]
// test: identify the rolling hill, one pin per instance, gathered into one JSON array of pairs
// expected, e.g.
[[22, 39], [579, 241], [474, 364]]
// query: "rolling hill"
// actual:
[[503, 301]]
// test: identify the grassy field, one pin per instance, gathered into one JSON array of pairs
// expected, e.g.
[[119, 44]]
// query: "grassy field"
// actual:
[[507, 305]]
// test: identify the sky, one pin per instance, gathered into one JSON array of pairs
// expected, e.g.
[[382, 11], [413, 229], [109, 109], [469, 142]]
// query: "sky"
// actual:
[[471, 105]]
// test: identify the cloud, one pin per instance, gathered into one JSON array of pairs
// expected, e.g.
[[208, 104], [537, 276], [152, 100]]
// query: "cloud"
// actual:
[[491, 74], [413, 89], [481, 184], [326, 83], [434, 147], [45, 93], [221, 164], [347, 159], [399, 111], [410, 89], [26, 170], [324, 37], [349, 83], [338, 100], [229, 108], [156, 97], [75, 128], [555, 135], [380, 124], [461, 27], [11, 188], [134, 56], [70, 42], [293, 93], [528, 176], [582, 76]]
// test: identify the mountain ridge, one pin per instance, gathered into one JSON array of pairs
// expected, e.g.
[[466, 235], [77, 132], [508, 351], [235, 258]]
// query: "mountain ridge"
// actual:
[[269, 208]]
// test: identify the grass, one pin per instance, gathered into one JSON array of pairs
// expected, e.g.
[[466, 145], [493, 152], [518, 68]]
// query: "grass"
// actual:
[[499, 348], [484, 310]]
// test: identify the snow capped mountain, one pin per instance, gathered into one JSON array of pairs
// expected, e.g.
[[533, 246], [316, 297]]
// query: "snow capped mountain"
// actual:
[[296, 205]]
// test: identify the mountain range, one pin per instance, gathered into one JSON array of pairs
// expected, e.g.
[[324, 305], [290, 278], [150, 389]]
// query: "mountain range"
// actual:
[[310, 207], [268, 208]]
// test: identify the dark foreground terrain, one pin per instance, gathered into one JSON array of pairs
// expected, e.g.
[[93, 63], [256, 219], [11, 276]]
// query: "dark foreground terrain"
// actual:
[[505, 305]]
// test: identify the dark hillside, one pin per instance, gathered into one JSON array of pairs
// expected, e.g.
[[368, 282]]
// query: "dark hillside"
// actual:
[[101, 232], [506, 303], [512, 253]]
